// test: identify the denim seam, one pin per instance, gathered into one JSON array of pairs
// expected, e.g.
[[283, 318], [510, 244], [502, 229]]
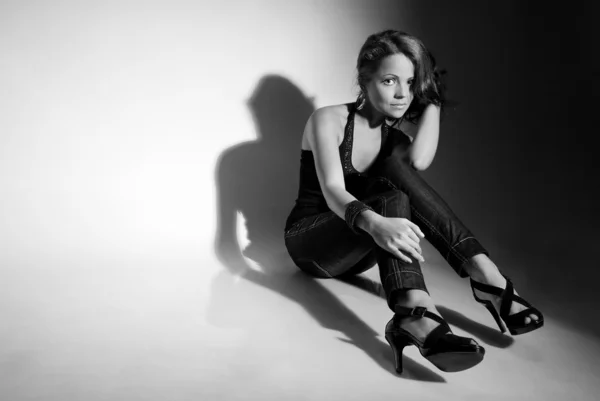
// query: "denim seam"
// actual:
[[386, 181], [293, 229], [401, 272], [396, 270], [318, 221], [464, 239], [318, 267], [397, 278], [432, 228], [394, 265]]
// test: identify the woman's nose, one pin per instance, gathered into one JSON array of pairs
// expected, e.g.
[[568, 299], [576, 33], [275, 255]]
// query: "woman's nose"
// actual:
[[401, 91]]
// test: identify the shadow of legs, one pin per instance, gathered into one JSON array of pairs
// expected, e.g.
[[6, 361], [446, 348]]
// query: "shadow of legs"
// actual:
[[488, 335], [327, 309]]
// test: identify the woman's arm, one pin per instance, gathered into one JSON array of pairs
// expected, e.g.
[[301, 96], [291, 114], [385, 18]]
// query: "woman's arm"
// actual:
[[322, 131], [391, 234], [424, 145]]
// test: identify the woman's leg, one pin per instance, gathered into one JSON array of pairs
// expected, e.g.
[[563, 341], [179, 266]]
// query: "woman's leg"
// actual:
[[442, 228], [324, 246]]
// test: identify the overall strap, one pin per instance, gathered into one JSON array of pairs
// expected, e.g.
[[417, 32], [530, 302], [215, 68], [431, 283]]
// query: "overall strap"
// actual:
[[346, 147]]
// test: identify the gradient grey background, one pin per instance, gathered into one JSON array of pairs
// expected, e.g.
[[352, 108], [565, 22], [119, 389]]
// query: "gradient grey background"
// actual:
[[144, 144], [517, 158]]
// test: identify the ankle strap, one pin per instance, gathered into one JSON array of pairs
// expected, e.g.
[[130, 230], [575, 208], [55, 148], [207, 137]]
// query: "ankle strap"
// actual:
[[417, 311]]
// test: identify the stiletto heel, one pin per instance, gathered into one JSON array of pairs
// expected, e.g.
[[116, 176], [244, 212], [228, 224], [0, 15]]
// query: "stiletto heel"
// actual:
[[515, 323], [444, 349], [397, 343], [490, 307], [496, 316]]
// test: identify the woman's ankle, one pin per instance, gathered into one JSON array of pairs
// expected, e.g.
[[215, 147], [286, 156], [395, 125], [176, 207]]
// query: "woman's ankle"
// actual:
[[412, 297], [415, 324], [481, 268]]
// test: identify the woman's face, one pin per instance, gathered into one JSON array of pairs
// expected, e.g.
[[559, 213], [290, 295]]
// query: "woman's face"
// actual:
[[390, 89]]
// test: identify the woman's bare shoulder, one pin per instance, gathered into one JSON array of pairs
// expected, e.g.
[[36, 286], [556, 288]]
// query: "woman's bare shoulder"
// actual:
[[328, 120], [332, 113]]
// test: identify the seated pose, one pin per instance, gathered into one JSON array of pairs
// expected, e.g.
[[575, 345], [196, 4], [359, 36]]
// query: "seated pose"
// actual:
[[362, 202]]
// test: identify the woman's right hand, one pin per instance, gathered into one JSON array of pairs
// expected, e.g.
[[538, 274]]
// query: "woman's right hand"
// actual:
[[398, 236]]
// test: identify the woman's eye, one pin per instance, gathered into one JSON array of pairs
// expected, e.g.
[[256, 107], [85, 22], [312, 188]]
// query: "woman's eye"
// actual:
[[389, 81]]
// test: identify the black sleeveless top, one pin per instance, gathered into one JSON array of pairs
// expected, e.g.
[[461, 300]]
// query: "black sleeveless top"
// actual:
[[310, 200]]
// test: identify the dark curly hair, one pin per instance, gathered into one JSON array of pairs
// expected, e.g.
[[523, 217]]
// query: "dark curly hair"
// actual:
[[427, 85]]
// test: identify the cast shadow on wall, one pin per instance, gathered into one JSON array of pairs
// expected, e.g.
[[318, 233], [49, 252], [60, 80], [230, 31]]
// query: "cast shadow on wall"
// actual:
[[259, 180]]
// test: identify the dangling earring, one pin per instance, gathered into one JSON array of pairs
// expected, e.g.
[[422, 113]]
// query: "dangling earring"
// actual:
[[360, 101]]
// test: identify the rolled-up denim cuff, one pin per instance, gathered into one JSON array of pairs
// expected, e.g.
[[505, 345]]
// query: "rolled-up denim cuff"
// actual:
[[402, 281], [353, 209], [462, 252]]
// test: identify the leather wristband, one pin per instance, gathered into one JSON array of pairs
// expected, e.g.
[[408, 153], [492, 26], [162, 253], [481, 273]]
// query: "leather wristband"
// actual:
[[353, 209]]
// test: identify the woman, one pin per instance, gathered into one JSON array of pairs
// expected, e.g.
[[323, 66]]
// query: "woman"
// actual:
[[362, 202]]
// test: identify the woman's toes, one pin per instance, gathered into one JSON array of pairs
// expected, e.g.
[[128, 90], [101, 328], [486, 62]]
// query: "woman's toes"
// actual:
[[531, 318]]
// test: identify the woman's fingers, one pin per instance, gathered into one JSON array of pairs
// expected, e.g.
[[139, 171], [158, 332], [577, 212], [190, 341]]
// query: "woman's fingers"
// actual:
[[396, 252], [403, 246], [400, 235], [396, 248], [412, 243], [412, 235], [415, 228]]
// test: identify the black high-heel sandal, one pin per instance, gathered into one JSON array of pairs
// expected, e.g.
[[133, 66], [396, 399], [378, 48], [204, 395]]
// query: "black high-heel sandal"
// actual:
[[515, 323], [447, 351]]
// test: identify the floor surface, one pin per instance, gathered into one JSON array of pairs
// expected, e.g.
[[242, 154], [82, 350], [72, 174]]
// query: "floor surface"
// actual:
[[231, 329]]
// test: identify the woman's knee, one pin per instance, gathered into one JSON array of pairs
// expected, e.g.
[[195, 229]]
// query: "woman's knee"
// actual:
[[394, 203]]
